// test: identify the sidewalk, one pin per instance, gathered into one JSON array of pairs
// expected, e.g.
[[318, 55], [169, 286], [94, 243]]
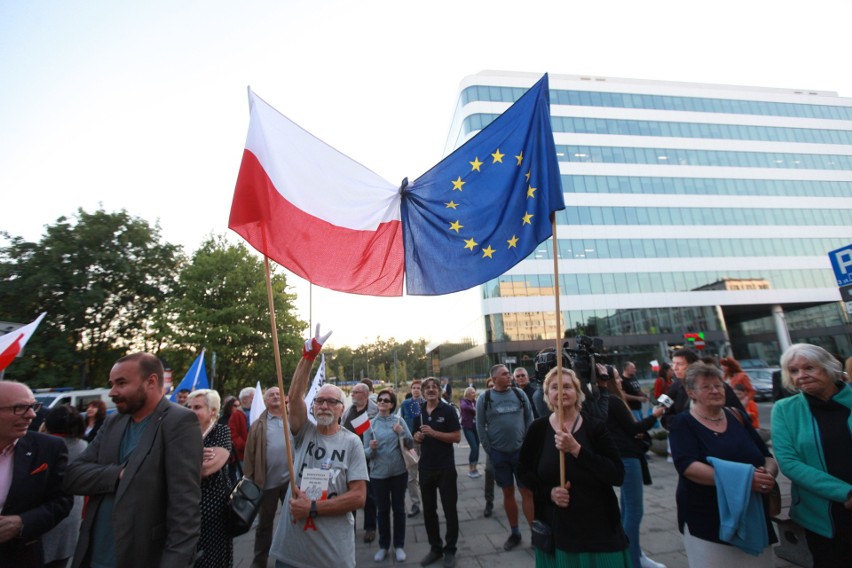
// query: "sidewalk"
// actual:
[[481, 539]]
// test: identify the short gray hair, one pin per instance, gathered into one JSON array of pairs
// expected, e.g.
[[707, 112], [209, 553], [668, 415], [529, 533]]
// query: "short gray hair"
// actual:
[[248, 391], [211, 397], [699, 370], [814, 354]]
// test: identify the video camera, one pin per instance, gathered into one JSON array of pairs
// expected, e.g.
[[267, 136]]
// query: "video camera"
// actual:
[[579, 359]]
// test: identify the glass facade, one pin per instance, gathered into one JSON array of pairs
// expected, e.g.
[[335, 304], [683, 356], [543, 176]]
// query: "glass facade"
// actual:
[[815, 178]]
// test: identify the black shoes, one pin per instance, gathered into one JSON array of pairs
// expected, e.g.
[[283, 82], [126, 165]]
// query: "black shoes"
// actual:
[[449, 560], [415, 510], [369, 536], [489, 509], [511, 542], [432, 557]]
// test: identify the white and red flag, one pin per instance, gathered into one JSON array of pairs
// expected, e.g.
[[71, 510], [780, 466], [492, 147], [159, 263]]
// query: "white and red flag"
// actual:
[[13, 342], [316, 211], [361, 423]]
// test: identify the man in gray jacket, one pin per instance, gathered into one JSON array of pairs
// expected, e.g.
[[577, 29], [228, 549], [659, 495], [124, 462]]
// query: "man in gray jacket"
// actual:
[[503, 415]]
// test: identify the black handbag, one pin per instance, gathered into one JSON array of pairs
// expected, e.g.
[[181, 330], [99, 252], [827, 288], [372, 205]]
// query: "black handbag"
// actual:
[[542, 537], [243, 505]]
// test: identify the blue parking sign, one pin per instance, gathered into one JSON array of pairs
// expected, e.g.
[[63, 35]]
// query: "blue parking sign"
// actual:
[[841, 262]]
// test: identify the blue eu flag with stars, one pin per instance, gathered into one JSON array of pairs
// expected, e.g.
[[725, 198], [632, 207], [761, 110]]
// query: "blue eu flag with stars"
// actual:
[[486, 206]]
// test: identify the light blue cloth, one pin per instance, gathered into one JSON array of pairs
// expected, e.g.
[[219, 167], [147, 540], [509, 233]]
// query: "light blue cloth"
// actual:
[[743, 523]]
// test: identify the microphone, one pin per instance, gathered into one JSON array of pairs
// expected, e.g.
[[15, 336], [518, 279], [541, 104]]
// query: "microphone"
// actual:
[[664, 400]]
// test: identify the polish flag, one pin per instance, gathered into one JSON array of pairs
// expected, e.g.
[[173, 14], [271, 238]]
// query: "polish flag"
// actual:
[[13, 342], [316, 211], [361, 423]]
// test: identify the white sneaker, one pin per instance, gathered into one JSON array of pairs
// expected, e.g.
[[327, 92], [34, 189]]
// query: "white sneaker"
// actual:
[[380, 555], [400, 555], [646, 562], [473, 474]]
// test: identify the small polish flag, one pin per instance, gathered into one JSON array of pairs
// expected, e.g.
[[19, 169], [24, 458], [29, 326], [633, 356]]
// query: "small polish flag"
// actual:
[[361, 423], [13, 343], [655, 365]]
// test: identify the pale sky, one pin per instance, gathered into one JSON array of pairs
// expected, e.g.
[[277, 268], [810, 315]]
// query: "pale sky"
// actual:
[[143, 105]]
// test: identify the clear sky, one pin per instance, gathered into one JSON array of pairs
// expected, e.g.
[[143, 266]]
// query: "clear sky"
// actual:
[[143, 105]]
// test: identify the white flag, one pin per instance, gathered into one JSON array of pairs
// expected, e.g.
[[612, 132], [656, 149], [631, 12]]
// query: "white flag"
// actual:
[[257, 404], [319, 381], [13, 342]]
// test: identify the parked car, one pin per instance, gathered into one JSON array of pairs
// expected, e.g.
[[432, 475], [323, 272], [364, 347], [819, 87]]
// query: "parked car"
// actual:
[[752, 364], [761, 380], [80, 399]]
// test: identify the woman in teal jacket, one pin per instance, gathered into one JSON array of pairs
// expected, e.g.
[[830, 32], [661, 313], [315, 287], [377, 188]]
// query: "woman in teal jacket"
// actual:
[[812, 438]]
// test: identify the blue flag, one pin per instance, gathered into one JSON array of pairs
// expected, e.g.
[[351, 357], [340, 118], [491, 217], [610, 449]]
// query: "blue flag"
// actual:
[[486, 206], [196, 378]]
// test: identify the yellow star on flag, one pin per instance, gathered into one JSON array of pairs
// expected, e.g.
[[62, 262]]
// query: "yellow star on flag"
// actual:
[[456, 226], [498, 157], [528, 176], [458, 183], [527, 219], [475, 163], [470, 243], [531, 191], [451, 205], [520, 158], [488, 252], [513, 242]]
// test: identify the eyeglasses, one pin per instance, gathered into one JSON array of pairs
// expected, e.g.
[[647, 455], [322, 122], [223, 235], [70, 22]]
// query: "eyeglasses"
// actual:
[[21, 409], [327, 401], [383, 400]]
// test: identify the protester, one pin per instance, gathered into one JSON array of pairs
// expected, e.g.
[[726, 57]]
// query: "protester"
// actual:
[[410, 411], [142, 473], [503, 414], [95, 416], [468, 416], [316, 523], [182, 397], [522, 381], [65, 422], [266, 465], [700, 436], [631, 389], [750, 406], [437, 430], [388, 475], [355, 419], [238, 424], [234, 469], [812, 440], [32, 466], [629, 435], [663, 381], [215, 547], [734, 375], [583, 513]]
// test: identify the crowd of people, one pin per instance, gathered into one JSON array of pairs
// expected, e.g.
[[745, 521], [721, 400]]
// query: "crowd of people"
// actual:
[[149, 485]]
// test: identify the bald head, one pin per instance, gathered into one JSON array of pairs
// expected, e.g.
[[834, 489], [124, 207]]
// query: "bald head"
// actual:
[[16, 411]]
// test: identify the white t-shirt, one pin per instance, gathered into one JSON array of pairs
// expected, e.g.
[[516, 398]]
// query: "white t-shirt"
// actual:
[[332, 543]]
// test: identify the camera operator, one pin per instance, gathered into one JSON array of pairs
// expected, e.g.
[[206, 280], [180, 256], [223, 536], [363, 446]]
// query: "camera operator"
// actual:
[[593, 379]]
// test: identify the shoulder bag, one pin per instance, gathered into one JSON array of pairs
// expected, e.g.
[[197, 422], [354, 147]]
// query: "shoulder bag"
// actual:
[[243, 505], [409, 455]]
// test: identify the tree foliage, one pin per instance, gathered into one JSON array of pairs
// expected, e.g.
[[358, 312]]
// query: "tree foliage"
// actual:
[[221, 304], [101, 277], [376, 361]]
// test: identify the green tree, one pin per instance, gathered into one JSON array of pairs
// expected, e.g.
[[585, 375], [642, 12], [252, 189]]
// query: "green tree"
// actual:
[[101, 277], [221, 304]]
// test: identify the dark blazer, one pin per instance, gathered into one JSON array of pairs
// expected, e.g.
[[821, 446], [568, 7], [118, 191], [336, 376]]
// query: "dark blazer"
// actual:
[[156, 516], [36, 496]]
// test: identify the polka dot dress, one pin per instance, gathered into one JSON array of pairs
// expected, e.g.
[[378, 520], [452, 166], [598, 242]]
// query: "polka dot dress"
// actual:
[[215, 547]]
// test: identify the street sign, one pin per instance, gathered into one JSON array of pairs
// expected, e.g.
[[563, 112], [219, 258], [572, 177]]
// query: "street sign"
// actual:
[[841, 262], [846, 296]]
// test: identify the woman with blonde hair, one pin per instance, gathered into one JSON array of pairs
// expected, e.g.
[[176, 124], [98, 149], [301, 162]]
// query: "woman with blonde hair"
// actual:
[[583, 513], [215, 547], [812, 438]]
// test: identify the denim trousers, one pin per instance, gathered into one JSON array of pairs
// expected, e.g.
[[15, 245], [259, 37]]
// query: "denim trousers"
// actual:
[[472, 438], [389, 494], [433, 482], [632, 507]]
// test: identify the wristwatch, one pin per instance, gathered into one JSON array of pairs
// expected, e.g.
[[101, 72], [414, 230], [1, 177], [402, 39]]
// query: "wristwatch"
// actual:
[[313, 512]]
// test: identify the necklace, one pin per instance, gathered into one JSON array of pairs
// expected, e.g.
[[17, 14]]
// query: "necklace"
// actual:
[[709, 419]]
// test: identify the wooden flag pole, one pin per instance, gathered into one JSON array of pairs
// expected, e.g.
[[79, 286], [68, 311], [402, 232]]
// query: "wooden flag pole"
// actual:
[[559, 413], [279, 374]]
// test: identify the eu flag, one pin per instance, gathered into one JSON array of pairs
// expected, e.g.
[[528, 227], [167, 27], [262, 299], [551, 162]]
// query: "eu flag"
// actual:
[[486, 206]]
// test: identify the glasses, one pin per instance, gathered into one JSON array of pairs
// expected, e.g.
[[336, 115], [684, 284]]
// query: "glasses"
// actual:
[[21, 409], [383, 400], [326, 401]]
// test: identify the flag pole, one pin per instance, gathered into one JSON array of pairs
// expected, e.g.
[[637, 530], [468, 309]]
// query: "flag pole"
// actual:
[[278, 373], [558, 343]]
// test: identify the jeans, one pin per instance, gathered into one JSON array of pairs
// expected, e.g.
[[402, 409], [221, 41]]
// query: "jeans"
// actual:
[[472, 438], [632, 507], [389, 494], [431, 483]]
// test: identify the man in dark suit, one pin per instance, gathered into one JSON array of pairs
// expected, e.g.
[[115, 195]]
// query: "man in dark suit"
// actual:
[[31, 469], [143, 476]]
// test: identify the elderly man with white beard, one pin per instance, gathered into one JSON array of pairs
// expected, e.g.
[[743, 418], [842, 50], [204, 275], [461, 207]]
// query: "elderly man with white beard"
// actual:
[[316, 524]]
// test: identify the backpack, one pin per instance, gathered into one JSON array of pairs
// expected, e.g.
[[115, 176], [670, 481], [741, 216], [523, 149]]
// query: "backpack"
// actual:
[[517, 394]]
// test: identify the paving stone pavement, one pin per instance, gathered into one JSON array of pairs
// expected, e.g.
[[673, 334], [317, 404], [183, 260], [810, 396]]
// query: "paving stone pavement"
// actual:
[[481, 539]]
